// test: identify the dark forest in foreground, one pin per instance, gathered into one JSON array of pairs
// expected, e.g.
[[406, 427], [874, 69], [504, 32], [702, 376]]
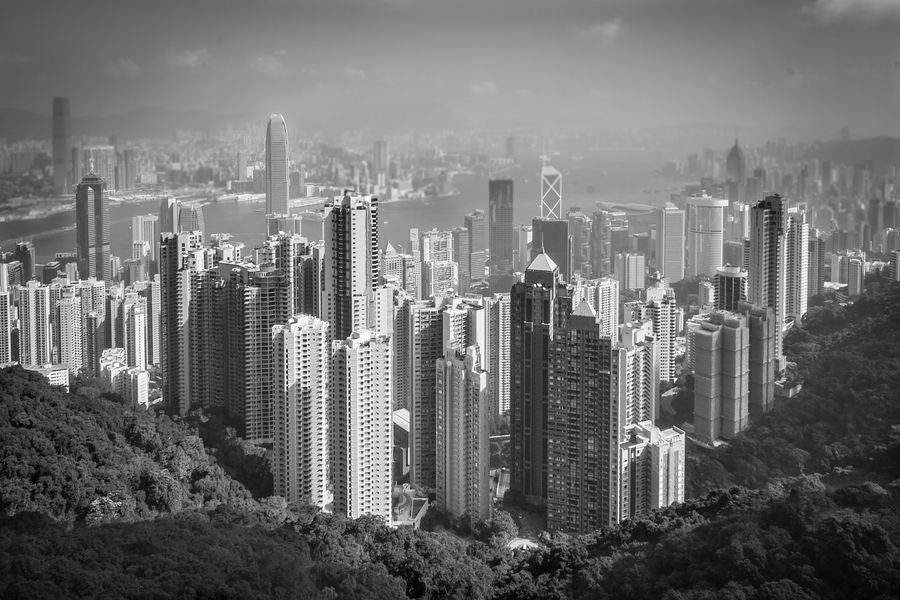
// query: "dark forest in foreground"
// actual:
[[105, 501]]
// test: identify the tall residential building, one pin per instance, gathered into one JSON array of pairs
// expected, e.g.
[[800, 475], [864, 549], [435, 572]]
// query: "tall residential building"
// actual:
[[536, 307], [662, 310], [670, 243], [768, 253], [894, 269], [551, 193], [477, 227], [602, 295], [277, 180], [630, 271], [145, 228], [462, 256], [462, 416], [730, 285], [705, 234], [815, 285], [360, 387], [500, 225], [498, 358], [5, 318], [180, 256], [351, 269], [134, 330], [169, 220], [796, 279], [35, 337], [92, 227], [425, 337], [721, 376], [763, 329], [551, 237], [302, 450], [62, 144]]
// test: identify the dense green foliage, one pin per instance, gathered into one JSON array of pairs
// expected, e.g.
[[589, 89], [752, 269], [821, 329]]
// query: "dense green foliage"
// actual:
[[86, 458], [849, 358], [735, 544]]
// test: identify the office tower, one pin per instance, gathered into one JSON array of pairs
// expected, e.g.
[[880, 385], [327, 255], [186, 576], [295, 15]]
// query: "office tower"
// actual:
[[277, 192], [600, 243], [128, 170], [500, 224], [551, 193], [62, 143], [662, 310], [425, 349], [670, 242], [551, 237], [92, 227], [145, 228], [100, 160], [580, 233], [25, 254], [721, 376], [477, 227], [630, 271], [302, 452], [730, 284], [351, 263], [766, 275], [440, 278], [733, 254], [796, 278], [498, 308], [361, 376], [5, 318], [169, 220], [763, 329], [536, 305], [180, 256], [736, 166], [705, 234], [380, 157], [190, 218], [68, 332], [462, 416], [462, 257], [35, 338]]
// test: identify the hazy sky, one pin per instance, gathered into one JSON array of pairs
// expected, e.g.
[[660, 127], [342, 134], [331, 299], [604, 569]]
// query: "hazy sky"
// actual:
[[788, 65]]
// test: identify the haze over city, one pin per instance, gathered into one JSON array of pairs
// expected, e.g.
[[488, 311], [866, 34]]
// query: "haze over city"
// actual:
[[765, 69]]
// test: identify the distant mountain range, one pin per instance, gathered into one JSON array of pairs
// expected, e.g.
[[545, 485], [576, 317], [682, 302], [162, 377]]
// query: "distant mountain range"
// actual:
[[147, 122], [882, 151]]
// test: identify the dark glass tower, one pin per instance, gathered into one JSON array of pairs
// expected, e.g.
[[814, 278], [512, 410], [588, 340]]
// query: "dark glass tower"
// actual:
[[92, 227], [500, 224], [62, 144]]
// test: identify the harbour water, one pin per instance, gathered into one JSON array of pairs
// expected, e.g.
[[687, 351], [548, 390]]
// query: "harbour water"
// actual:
[[619, 177]]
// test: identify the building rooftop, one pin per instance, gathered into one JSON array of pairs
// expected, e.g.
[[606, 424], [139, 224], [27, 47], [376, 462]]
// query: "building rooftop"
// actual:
[[542, 262]]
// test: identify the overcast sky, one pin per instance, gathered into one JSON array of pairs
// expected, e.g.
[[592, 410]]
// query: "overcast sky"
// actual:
[[787, 65]]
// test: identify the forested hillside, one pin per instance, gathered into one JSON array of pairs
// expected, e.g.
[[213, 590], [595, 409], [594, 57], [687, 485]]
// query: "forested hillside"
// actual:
[[847, 418]]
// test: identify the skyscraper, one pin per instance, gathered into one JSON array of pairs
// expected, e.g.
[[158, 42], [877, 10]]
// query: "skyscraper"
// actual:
[[35, 338], [551, 193], [500, 223], [62, 144], [730, 284], [768, 253], [277, 180], [302, 451], [425, 349], [736, 167], [477, 228], [796, 283], [670, 242], [380, 159], [705, 234], [816, 280], [5, 318], [630, 271], [92, 227], [498, 357], [361, 374], [351, 268]]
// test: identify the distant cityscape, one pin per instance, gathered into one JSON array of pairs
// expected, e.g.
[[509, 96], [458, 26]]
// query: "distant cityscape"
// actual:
[[532, 357]]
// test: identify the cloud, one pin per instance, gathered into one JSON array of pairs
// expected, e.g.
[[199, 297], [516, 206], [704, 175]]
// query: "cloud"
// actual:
[[600, 94], [270, 65], [483, 88], [606, 31], [830, 12], [10, 58], [122, 68], [353, 73], [186, 59]]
